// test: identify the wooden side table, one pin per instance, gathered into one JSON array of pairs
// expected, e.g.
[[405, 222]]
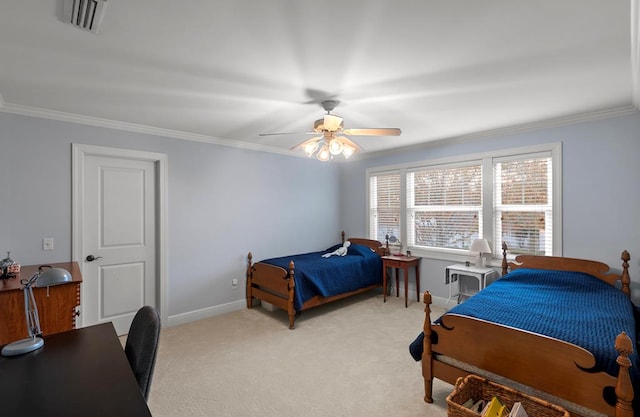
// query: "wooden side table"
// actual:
[[405, 262]]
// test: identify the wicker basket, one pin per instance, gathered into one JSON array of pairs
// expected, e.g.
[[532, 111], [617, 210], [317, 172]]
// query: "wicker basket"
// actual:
[[478, 388]]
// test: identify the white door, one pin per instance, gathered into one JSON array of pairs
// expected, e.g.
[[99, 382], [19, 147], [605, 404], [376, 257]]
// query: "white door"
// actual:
[[119, 230]]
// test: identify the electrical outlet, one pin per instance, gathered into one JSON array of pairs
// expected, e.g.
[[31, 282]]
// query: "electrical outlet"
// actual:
[[234, 282], [47, 243]]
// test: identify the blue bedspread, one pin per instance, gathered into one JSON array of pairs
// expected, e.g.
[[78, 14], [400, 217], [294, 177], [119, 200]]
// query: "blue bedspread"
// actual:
[[315, 275], [570, 306]]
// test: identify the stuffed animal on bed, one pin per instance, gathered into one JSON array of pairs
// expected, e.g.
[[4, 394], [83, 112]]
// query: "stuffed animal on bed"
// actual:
[[341, 251]]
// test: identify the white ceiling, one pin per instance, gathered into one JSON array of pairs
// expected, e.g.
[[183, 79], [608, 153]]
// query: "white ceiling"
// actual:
[[224, 71]]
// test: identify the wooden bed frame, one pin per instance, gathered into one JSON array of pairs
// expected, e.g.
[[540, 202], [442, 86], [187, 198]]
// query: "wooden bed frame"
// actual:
[[549, 365], [276, 285]]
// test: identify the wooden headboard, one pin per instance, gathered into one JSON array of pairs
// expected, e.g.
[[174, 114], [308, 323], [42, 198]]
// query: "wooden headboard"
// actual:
[[599, 270], [377, 246]]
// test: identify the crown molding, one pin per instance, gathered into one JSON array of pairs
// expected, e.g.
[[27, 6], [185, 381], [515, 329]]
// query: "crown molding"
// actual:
[[150, 130], [510, 130], [131, 127], [635, 52]]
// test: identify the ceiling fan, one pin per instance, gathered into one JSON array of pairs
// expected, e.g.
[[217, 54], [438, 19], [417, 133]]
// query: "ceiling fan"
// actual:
[[331, 137]]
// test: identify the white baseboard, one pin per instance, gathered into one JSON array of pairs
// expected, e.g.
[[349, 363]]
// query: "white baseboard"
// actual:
[[204, 313], [435, 301]]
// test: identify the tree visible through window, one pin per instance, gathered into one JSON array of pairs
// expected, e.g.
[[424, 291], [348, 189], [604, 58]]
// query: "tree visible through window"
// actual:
[[523, 210], [444, 206]]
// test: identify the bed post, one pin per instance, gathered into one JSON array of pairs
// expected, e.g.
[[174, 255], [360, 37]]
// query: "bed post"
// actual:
[[290, 307], [342, 234], [505, 266], [249, 286], [624, 389], [427, 357], [625, 273]]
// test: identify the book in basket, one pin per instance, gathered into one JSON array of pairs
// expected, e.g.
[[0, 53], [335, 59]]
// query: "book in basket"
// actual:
[[495, 408], [518, 410]]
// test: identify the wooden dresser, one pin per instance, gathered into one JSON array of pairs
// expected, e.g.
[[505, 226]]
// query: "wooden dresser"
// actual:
[[56, 305]]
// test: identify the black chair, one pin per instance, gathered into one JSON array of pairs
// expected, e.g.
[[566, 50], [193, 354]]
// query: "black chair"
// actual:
[[142, 346]]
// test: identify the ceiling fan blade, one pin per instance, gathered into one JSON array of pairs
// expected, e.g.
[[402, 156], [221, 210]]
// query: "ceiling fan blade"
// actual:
[[287, 133], [388, 131], [303, 143], [283, 133]]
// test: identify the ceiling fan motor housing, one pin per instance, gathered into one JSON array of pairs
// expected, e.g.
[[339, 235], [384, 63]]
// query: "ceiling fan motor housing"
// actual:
[[329, 105], [330, 123]]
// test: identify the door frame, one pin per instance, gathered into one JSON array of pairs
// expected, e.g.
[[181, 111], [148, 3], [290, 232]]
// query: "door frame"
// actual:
[[79, 153]]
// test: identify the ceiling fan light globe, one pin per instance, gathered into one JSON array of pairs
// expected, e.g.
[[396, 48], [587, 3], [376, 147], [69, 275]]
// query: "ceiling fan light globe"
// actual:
[[324, 154], [335, 146], [348, 150], [310, 148]]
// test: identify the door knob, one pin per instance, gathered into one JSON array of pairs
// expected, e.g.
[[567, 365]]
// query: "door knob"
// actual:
[[91, 258]]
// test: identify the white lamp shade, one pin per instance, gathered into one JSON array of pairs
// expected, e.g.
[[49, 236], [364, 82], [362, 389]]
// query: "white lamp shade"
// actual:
[[324, 154], [348, 150], [310, 147], [480, 246], [335, 146]]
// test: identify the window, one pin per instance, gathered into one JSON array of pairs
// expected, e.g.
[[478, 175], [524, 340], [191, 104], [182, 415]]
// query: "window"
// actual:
[[523, 204], [444, 206], [510, 196], [384, 206]]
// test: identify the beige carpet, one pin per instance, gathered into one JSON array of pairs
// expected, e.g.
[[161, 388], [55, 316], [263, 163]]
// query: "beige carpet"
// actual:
[[349, 358]]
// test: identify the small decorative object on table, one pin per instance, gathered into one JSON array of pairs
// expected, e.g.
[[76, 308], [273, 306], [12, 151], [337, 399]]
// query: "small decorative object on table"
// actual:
[[8, 268]]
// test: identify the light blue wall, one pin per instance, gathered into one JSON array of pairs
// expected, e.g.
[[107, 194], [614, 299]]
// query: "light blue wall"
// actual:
[[225, 202], [222, 203], [601, 189]]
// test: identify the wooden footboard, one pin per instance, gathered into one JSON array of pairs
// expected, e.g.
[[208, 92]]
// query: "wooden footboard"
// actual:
[[463, 345], [272, 284]]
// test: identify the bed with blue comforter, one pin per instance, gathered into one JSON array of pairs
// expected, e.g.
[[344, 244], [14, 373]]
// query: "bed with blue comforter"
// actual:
[[298, 282], [554, 330]]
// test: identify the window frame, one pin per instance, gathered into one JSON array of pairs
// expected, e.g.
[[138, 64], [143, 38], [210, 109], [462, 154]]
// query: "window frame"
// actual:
[[554, 150]]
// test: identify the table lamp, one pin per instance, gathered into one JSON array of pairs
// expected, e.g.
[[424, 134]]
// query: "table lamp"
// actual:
[[481, 246], [46, 278], [393, 241]]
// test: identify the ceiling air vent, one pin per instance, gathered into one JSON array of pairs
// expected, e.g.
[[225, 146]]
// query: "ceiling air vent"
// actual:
[[85, 14]]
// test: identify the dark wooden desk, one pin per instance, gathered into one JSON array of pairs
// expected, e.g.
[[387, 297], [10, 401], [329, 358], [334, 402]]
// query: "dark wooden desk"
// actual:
[[403, 262], [81, 373]]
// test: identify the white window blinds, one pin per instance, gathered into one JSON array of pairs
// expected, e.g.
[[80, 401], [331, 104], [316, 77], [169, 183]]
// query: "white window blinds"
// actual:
[[523, 204], [384, 205], [444, 206]]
